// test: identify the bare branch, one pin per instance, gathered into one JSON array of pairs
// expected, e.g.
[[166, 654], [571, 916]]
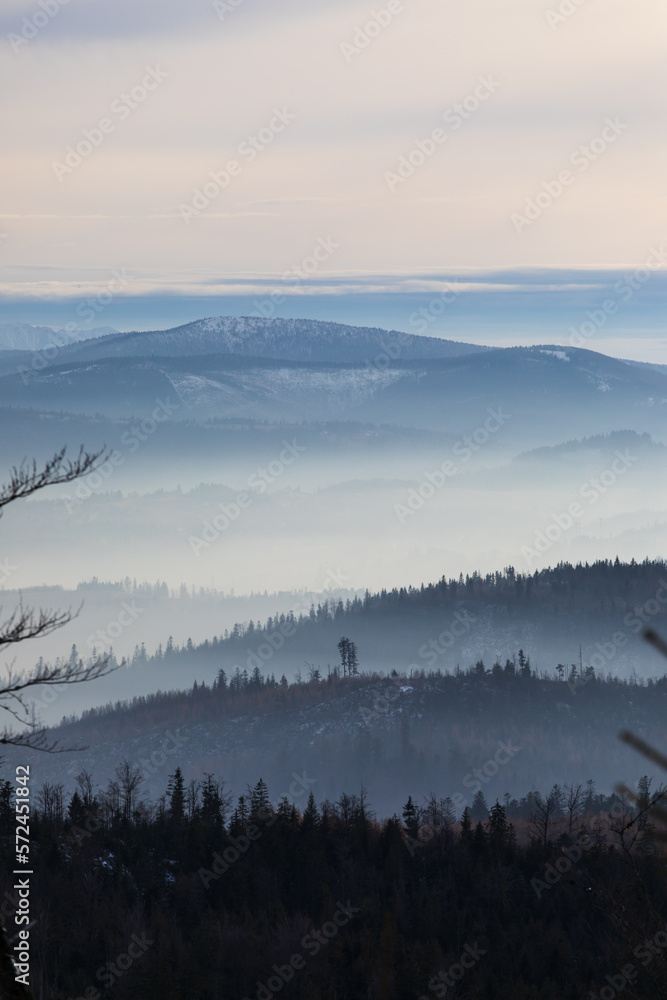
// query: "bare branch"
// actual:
[[27, 623], [648, 751], [26, 478], [13, 700]]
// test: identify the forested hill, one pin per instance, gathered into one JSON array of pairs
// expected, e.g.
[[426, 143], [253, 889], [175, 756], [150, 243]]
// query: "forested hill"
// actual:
[[602, 608], [394, 735]]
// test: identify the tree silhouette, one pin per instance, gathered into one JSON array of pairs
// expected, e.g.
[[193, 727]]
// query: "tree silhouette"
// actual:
[[24, 623]]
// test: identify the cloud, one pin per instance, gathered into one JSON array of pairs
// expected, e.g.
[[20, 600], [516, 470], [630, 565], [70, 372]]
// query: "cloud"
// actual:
[[356, 120]]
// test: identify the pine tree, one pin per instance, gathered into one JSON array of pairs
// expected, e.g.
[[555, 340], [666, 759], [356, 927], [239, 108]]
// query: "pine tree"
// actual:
[[344, 650], [466, 826], [410, 817], [176, 793], [479, 841], [498, 826], [311, 815], [211, 799], [479, 810], [260, 806]]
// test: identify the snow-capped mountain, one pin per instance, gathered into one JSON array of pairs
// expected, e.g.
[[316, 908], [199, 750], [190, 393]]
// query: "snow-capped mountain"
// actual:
[[285, 339]]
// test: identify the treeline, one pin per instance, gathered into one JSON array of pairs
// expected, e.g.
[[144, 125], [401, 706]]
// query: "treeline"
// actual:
[[477, 687], [396, 734], [564, 606], [196, 895]]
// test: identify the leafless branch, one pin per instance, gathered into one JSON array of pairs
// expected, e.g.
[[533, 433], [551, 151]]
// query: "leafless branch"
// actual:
[[26, 478]]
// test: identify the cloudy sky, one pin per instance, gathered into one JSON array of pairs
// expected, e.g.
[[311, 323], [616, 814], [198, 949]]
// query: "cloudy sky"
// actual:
[[540, 192]]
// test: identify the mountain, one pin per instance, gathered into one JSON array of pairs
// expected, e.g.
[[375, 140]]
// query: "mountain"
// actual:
[[24, 337], [548, 393], [284, 339]]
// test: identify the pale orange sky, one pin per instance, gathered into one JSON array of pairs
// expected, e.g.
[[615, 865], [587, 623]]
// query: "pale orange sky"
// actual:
[[356, 114]]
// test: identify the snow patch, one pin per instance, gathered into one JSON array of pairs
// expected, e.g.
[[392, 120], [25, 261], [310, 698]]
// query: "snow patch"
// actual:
[[561, 355]]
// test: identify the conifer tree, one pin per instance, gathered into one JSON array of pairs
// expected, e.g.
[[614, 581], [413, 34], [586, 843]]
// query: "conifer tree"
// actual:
[[176, 793]]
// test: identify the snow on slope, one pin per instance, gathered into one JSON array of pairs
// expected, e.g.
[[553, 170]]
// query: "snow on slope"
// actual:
[[334, 389], [282, 339]]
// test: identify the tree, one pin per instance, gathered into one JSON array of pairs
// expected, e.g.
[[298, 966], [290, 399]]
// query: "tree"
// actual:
[[260, 804], [348, 657], [573, 803], [129, 780], [542, 819], [411, 817], [25, 623], [343, 649], [176, 793], [466, 826], [479, 810], [215, 802], [498, 825]]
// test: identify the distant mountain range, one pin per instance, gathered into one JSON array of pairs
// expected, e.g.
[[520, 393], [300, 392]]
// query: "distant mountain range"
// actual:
[[302, 370], [247, 336], [24, 337]]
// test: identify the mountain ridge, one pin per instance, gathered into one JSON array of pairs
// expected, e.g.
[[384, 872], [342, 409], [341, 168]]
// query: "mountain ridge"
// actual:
[[281, 339]]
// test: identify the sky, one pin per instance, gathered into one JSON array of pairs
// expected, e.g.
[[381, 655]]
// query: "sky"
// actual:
[[514, 149]]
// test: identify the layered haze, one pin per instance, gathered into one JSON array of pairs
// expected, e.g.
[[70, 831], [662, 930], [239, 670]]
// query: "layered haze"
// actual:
[[257, 466]]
